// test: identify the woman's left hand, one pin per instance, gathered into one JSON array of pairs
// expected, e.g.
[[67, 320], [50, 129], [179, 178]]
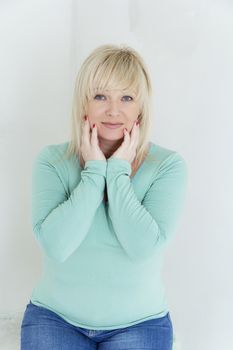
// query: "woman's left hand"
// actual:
[[127, 149]]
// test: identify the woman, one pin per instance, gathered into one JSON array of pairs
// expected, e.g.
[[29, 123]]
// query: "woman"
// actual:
[[104, 206]]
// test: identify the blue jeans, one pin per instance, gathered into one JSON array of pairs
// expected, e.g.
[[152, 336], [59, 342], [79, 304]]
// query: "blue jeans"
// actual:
[[42, 329]]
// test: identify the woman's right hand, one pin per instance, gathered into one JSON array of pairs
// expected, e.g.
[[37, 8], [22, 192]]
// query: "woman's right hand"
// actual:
[[90, 144]]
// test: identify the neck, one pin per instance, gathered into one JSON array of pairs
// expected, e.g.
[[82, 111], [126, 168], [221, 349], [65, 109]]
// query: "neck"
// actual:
[[108, 147]]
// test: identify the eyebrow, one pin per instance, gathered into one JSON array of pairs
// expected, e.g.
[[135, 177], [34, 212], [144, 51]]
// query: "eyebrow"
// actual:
[[121, 91]]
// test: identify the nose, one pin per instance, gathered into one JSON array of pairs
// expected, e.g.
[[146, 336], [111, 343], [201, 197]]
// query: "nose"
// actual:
[[113, 108]]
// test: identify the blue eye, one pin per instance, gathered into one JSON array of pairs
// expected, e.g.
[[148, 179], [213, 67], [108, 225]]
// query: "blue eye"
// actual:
[[98, 96], [131, 99]]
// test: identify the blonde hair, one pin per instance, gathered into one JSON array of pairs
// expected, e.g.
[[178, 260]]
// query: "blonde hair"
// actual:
[[111, 67]]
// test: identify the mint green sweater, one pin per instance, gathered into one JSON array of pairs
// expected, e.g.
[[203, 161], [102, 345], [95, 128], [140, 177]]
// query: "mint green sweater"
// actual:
[[102, 261]]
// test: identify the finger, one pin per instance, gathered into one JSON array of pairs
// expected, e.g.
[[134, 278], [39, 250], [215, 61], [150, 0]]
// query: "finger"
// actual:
[[134, 135], [126, 140], [86, 131], [94, 138]]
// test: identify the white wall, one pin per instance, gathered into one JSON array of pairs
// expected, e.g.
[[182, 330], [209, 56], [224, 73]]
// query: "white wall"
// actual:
[[188, 46]]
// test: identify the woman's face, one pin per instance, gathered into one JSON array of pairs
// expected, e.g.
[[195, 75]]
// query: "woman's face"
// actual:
[[116, 107]]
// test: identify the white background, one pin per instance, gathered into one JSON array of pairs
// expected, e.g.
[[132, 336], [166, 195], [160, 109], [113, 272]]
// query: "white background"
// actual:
[[188, 47]]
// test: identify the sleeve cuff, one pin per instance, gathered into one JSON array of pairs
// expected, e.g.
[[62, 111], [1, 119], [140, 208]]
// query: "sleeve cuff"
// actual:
[[117, 165], [96, 166]]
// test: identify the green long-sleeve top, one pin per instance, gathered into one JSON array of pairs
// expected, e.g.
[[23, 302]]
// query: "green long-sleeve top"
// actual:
[[102, 260]]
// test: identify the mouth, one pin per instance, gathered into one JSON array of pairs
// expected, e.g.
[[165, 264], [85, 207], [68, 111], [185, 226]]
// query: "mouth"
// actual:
[[112, 125]]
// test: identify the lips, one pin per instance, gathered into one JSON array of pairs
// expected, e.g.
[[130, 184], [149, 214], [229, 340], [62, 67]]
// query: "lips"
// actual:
[[112, 126], [112, 123]]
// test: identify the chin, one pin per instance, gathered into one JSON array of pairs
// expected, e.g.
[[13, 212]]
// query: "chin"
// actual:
[[114, 136], [111, 138]]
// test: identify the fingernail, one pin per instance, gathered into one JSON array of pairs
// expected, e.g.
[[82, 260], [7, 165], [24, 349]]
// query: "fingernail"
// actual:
[[125, 129], [85, 117], [137, 122], [93, 126]]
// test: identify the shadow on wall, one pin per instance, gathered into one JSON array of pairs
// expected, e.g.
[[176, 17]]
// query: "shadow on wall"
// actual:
[[10, 331]]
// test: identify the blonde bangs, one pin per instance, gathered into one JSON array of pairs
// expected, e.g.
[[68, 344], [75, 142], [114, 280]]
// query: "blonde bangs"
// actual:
[[117, 71]]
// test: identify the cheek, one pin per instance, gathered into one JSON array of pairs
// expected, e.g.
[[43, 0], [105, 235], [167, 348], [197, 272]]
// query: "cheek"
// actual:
[[132, 114], [95, 111], [133, 111]]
